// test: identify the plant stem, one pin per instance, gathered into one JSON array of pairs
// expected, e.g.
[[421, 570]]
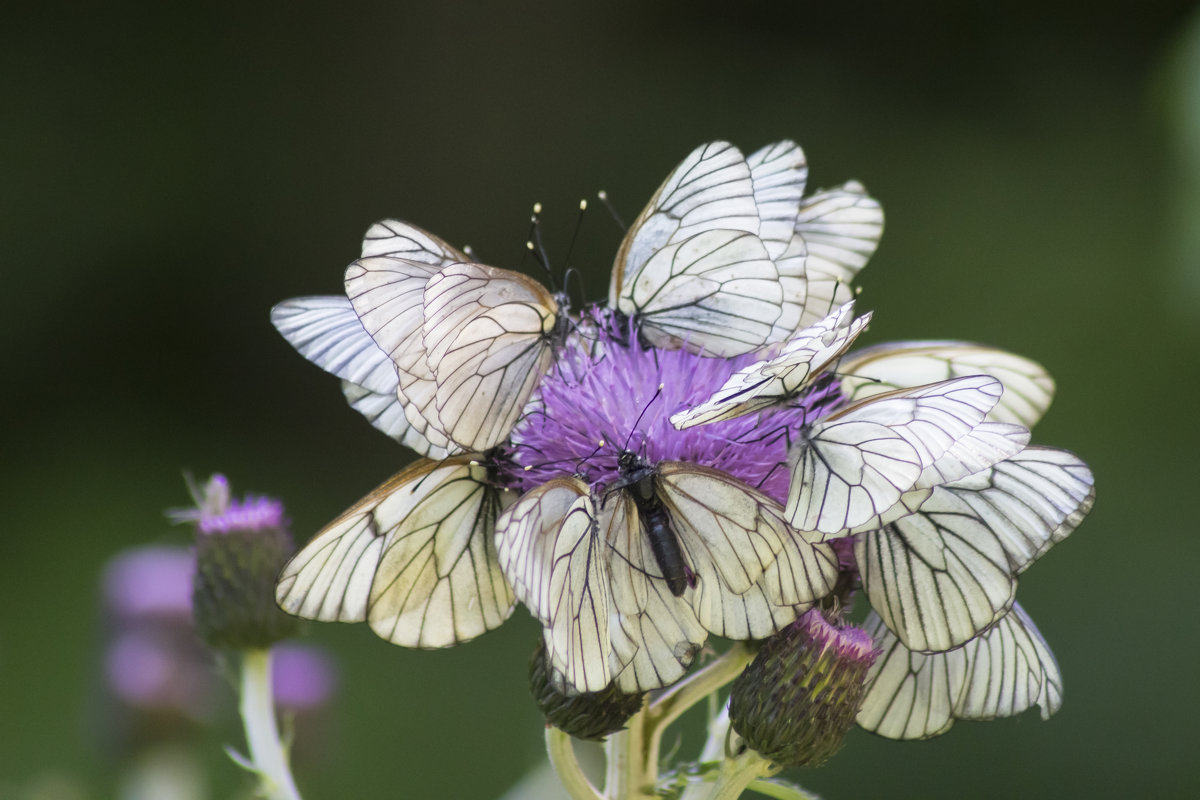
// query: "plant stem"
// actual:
[[562, 757], [631, 775], [685, 694], [738, 773], [262, 732]]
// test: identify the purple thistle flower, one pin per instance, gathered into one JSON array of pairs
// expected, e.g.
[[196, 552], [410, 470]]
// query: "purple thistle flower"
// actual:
[[608, 390]]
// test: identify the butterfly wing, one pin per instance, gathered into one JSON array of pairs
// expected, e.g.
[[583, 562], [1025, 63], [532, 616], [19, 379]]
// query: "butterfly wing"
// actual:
[[328, 332], [488, 340], [857, 463], [391, 237], [655, 635], [1005, 671], [753, 574], [716, 292], [388, 296], [711, 189], [771, 382], [778, 173], [840, 229], [1028, 388], [549, 545], [415, 558]]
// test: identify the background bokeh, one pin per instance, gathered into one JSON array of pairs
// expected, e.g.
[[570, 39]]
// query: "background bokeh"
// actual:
[[170, 172]]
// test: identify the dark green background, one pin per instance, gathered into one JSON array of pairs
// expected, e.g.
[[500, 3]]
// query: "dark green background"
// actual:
[[168, 175]]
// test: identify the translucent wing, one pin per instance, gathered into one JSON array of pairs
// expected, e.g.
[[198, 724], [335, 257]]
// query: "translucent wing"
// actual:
[[488, 336], [840, 228], [939, 577], [1030, 501], [391, 237], [327, 332], [1028, 388], [771, 382], [1005, 671], [753, 574], [415, 558], [716, 292], [385, 412], [710, 190], [655, 636], [777, 173], [388, 296], [857, 463], [549, 545]]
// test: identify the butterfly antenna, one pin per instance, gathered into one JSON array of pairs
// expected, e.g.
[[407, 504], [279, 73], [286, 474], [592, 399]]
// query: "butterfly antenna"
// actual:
[[534, 243], [603, 196], [657, 393]]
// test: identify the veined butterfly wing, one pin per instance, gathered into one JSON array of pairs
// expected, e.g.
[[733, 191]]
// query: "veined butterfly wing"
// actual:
[[716, 292], [655, 636], [489, 336], [754, 575], [415, 558], [939, 577], [327, 332], [987, 445], [773, 381], [388, 294], [710, 190], [1007, 670], [840, 228], [1028, 388], [856, 464], [549, 544], [391, 237], [778, 173]]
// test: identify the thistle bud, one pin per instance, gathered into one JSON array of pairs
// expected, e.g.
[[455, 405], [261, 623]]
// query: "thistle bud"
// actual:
[[590, 715], [800, 695], [240, 548]]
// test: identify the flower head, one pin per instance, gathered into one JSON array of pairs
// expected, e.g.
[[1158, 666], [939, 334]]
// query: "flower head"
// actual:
[[240, 548], [801, 694]]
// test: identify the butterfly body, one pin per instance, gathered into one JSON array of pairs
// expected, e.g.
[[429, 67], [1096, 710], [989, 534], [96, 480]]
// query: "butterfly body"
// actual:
[[637, 477]]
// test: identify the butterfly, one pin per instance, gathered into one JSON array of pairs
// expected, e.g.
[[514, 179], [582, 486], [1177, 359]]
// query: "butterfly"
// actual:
[[776, 380], [692, 270], [615, 609], [854, 465], [943, 574], [1005, 671], [415, 558], [469, 342]]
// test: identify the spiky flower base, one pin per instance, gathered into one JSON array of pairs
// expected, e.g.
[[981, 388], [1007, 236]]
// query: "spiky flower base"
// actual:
[[800, 695], [592, 715]]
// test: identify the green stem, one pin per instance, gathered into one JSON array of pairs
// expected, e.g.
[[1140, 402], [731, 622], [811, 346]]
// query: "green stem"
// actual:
[[738, 773], [631, 775], [780, 791], [562, 757], [262, 733], [685, 694]]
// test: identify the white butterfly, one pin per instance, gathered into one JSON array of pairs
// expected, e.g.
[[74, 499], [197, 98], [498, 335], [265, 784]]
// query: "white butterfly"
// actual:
[[469, 342], [692, 270], [415, 558], [1005, 671], [940, 576], [776, 380], [855, 464], [615, 608], [1028, 388]]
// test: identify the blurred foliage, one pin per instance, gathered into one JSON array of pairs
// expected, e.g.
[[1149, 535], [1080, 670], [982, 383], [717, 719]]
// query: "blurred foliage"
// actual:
[[171, 171]]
